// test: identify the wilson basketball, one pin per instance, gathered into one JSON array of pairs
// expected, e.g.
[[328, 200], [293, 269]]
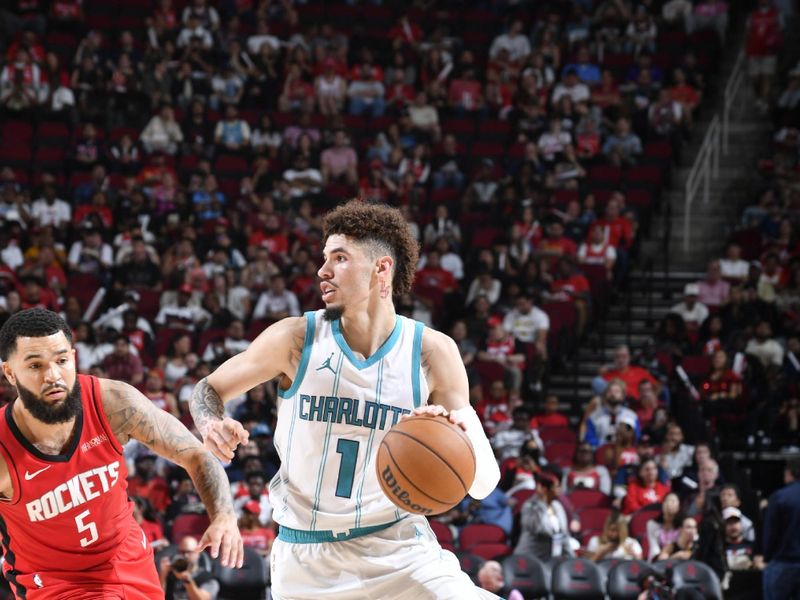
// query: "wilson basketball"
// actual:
[[425, 464]]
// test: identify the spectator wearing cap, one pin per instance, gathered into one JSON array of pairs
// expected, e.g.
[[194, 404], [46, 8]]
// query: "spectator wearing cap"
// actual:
[[50, 209], [730, 497], [600, 424], [158, 395], [182, 313], [740, 553], [145, 482], [543, 522], [254, 535], [645, 488], [123, 364], [339, 163], [693, 312]]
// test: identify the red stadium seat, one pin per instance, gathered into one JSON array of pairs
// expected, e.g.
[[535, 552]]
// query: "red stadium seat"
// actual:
[[584, 499], [188, 524], [489, 372], [519, 498], [480, 533], [594, 518], [491, 551], [442, 532], [560, 452], [550, 435], [696, 367], [637, 526]]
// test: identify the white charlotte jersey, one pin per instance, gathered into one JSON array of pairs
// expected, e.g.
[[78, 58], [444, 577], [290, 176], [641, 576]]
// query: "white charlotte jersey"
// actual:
[[331, 422]]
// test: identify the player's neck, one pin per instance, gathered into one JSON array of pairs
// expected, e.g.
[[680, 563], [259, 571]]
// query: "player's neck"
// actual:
[[366, 330], [48, 439]]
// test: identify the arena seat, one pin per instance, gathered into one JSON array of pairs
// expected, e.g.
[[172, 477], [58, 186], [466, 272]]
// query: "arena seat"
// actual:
[[577, 579], [527, 574]]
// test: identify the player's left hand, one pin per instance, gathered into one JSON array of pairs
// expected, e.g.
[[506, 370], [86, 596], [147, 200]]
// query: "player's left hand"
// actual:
[[224, 540], [435, 410]]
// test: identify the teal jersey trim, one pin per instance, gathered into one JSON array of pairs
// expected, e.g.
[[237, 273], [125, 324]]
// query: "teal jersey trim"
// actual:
[[325, 444], [308, 342], [296, 536], [416, 358], [385, 348], [378, 388]]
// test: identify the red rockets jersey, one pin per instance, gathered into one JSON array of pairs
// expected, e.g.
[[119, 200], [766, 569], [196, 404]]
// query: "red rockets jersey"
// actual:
[[70, 512]]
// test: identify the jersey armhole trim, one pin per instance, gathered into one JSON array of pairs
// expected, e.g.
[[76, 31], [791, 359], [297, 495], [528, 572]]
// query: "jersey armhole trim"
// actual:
[[416, 359], [308, 343], [12, 471], [100, 411]]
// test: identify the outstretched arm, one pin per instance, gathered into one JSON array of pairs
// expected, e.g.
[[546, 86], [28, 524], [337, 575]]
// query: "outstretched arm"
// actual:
[[132, 416], [275, 352]]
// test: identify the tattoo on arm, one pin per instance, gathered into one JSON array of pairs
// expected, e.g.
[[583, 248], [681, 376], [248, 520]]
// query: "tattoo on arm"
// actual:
[[131, 415], [205, 405]]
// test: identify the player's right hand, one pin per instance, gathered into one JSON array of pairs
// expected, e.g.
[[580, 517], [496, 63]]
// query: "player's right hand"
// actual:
[[435, 410], [222, 437]]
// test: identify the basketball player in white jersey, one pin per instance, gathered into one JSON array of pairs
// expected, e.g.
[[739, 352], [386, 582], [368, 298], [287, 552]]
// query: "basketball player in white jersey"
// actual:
[[347, 374]]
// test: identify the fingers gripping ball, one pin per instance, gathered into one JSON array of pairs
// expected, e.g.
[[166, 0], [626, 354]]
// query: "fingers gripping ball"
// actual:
[[425, 464]]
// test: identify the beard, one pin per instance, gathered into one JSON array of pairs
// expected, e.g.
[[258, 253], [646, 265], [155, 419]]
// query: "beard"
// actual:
[[51, 414], [333, 313]]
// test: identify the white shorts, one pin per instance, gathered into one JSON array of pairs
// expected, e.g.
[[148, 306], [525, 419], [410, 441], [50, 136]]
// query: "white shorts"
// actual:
[[762, 65], [401, 562]]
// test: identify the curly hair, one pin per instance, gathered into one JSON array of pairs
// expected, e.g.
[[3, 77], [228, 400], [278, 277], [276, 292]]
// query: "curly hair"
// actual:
[[383, 226], [34, 322]]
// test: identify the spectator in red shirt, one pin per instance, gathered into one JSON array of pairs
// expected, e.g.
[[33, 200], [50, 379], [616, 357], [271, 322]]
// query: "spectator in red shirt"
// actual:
[[764, 41], [550, 417], [645, 488], [435, 276], [35, 295], [572, 286], [555, 244], [272, 238], [398, 93], [122, 364], [405, 34], [493, 408], [465, 94], [253, 534], [147, 484], [501, 347], [622, 368]]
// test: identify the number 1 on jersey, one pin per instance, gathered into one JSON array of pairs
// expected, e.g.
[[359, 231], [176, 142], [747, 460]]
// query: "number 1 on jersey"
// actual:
[[347, 468]]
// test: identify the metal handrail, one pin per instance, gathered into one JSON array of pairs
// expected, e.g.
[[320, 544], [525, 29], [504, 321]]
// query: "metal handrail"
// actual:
[[736, 80], [705, 164]]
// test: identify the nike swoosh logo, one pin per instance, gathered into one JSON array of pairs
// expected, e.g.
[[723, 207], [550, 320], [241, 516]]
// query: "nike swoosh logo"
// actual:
[[29, 476], [144, 540]]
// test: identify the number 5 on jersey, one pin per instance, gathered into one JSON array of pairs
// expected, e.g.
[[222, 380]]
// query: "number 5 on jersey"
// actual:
[[90, 527]]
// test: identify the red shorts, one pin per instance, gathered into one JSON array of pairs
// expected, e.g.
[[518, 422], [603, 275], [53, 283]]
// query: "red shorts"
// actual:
[[130, 575]]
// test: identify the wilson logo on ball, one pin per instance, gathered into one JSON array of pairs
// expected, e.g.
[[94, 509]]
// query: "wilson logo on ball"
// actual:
[[400, 494]]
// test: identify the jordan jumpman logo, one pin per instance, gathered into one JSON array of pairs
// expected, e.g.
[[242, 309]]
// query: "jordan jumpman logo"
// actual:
[[327, 364]]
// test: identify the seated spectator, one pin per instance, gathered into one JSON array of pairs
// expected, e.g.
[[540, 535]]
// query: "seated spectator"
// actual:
[[491, 579], [570, 285], [722, 390], [714, 290], [571, 86], [277, 302], [254, 535], [155, 391], [622, 147], [550, 415], [514, 41], [20, 83], [501, 347], [162, 133], [707, 480], [528, 324], [600, 424], [508, 441], [302, 179], [493, 509], [91, 256], [123, 364], [339, 163], [262, 36], [36, 294], [730, 497], [740, 553], [711, 14], [554, 141], [192, 582], [366, 93], [184, 312], [765, 347], [684, 93], [484, 285], [640, 36], [622, 369], [648, 403], [685, 544], [146, 482], [675, 455], [692, 312], [665, 116], [448, 166], [645, 488], [584, 474], [733, 267], [465, 94], [543, 522], [598, 251], [330, 89], [425, 118], [664, 529], [614, 542], [50, 209], [232, 133], [621, 451]]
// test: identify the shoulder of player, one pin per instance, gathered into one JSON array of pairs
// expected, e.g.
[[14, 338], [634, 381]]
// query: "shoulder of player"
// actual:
[[438, 350], [289, 330], [122, 406]]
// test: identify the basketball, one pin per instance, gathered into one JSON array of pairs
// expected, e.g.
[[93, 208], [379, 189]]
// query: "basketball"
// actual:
[[425, 464]]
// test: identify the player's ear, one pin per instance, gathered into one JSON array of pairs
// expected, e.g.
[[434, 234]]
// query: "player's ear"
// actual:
[[383, 266], [9, 373]]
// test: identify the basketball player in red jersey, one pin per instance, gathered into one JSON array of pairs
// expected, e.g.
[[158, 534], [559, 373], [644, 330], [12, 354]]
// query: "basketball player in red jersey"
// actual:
[[66, 525]]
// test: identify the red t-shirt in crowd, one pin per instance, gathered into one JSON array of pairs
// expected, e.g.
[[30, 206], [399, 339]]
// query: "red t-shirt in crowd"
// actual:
[[632, 376], [639, 496]]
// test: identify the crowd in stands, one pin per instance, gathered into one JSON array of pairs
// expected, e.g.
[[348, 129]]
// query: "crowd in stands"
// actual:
[[165, 165]]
